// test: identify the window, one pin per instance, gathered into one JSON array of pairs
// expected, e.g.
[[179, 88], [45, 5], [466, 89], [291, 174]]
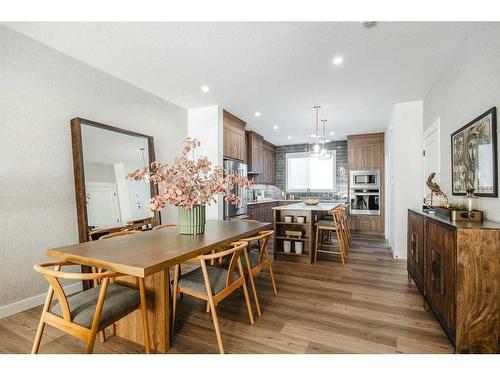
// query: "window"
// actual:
[[305, 172]]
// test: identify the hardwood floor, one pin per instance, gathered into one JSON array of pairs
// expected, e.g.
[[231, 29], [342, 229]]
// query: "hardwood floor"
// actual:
[[366, 307]]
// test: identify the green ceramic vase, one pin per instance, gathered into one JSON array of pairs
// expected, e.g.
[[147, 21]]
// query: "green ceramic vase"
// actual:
[[192, 220]]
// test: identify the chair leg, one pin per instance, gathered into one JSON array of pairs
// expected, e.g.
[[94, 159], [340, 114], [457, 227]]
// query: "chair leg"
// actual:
[[207, 308], [144, 310], [216, 324], [272, 279], [252, 283], [90, 344], [38, 337], [247, 300], [317, 244]]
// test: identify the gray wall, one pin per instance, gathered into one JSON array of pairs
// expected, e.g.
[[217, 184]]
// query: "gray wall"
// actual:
[[41, 90], [339, 146], [468, 86]]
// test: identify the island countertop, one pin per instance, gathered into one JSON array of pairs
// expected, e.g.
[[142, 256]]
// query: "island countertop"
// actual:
[[306, 207]]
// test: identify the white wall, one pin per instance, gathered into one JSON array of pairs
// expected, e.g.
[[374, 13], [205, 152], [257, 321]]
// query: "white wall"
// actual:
[[468, 86], [99, 172], [206, 125], [41, 90], [404, 185]]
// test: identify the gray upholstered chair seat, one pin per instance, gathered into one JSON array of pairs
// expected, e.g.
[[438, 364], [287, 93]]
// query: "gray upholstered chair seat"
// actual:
[[253, 257], [327, 217], [193, 280], [326, 223], [118, 300]]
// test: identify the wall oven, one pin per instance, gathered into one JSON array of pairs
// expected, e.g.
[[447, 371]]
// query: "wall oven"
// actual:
[[364, 201], [365, 179]]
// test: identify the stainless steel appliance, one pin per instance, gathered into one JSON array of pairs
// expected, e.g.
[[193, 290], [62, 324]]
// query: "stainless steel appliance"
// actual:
[[364, 201], [232, 211], [365, 179]]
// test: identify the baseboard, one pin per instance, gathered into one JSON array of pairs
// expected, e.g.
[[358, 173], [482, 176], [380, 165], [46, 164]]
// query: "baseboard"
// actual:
[[34, 301]]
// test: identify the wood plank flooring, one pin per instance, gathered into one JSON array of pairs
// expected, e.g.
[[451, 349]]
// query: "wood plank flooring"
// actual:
[[366, 307]]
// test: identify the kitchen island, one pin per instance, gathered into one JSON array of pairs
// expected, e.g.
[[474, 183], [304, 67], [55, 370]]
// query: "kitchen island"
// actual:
[[294, 239]]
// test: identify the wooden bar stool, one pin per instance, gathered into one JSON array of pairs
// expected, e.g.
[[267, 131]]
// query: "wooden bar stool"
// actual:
[[326, 229], [213, 284], [84, 314]]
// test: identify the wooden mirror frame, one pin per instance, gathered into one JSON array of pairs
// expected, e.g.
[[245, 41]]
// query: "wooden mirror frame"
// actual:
[[79, 170]]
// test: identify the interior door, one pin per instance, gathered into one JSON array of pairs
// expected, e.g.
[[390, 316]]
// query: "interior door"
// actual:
[[431, 154], [102, 205]]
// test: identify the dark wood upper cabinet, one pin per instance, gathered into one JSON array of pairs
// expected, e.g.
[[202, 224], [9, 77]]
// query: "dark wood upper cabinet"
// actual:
[[261, 159], [234, 137]]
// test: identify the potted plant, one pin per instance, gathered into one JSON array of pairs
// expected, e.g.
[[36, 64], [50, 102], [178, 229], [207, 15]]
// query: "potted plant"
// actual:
[[190, 184]]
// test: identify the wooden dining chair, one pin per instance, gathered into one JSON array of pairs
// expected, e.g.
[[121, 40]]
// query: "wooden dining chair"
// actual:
[[118, 234], [326, 230], [258, 261], [213, 284], [85, 313], [164, 226]]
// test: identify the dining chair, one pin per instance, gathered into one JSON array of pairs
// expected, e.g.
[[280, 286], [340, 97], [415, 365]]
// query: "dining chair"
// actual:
[[326, 230], [258, 261], [118, 234], [164, 226], [213, 284], [85, 313]]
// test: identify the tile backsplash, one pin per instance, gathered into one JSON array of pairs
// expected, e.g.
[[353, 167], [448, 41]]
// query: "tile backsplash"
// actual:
[[275, 191], [340, 148]]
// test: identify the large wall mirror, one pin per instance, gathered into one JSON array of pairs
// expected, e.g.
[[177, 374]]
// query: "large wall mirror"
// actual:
[[107, 201]]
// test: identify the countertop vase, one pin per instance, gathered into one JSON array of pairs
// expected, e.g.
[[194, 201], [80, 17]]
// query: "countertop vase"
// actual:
[[192, 220]]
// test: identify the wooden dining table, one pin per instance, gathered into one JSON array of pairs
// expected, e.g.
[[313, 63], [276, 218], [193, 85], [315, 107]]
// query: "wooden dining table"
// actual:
[[150, 255]]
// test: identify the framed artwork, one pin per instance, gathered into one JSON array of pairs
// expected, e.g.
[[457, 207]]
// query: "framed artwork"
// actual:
[[474, 156]]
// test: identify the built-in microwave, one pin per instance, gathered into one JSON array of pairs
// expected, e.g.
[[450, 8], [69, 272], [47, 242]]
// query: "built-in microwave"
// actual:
[[365, 179]]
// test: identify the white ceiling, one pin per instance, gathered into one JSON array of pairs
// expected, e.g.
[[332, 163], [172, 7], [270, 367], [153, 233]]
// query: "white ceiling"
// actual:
[[279, 69]]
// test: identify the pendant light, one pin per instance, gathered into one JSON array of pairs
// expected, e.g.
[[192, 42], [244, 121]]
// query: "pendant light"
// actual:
[[316, 147], [324, 154]]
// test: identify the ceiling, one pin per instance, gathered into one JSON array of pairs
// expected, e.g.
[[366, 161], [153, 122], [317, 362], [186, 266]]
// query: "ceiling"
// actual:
[[279, 69]]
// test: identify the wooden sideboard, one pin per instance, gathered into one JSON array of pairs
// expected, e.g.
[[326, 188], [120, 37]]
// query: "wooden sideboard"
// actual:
[[456, 267]]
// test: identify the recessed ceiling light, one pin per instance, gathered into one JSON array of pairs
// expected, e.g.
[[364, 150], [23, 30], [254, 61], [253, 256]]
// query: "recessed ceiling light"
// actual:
[[275, 127], [338, 60], [289, 137], [332, 133], [257, 114], [205, 88]]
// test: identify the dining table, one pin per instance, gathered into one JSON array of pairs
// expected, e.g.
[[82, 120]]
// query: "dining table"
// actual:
[[150, 255]]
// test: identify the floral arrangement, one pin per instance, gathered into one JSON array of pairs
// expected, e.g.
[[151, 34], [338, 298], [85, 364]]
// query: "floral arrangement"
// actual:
[[189, 182]]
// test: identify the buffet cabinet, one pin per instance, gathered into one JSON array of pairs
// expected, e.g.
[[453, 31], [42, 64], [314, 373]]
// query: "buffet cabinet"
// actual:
[[456, 267]]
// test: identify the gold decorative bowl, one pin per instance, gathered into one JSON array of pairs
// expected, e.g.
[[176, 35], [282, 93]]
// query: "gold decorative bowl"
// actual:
[[311, 201]]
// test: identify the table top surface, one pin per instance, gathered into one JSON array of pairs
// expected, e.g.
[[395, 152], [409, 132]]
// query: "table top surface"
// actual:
[[145, 253], [306, 207]]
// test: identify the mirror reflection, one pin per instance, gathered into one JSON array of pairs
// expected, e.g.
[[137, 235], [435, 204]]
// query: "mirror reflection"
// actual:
[[114, 203]]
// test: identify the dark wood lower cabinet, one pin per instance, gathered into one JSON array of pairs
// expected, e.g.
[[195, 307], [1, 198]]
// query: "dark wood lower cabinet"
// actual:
[[262, 211], [456, 266]]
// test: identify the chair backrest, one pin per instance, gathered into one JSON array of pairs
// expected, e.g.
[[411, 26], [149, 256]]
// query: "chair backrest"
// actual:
[[53, 277], [263, 240], [118, 234], [234, 252], [164, 226]]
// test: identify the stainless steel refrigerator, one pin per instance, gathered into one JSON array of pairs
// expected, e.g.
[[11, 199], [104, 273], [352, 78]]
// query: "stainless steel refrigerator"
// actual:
[[232, 211]]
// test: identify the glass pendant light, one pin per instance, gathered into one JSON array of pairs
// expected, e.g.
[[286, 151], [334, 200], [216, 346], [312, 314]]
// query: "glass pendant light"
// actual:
[[324, 153], [316, 147], [146, 177]]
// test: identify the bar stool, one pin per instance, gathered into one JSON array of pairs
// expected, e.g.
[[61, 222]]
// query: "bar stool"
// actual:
[[84, 314], [326, 229]]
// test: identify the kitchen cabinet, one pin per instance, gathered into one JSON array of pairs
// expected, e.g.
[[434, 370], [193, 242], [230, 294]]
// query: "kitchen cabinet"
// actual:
[[234, 137], [261, 159], [455, 265], [366, 152], [262, 211]]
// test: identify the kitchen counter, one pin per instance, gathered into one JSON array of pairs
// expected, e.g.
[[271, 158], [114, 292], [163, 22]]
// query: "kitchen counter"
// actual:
[[292, 201], [322, 206]]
